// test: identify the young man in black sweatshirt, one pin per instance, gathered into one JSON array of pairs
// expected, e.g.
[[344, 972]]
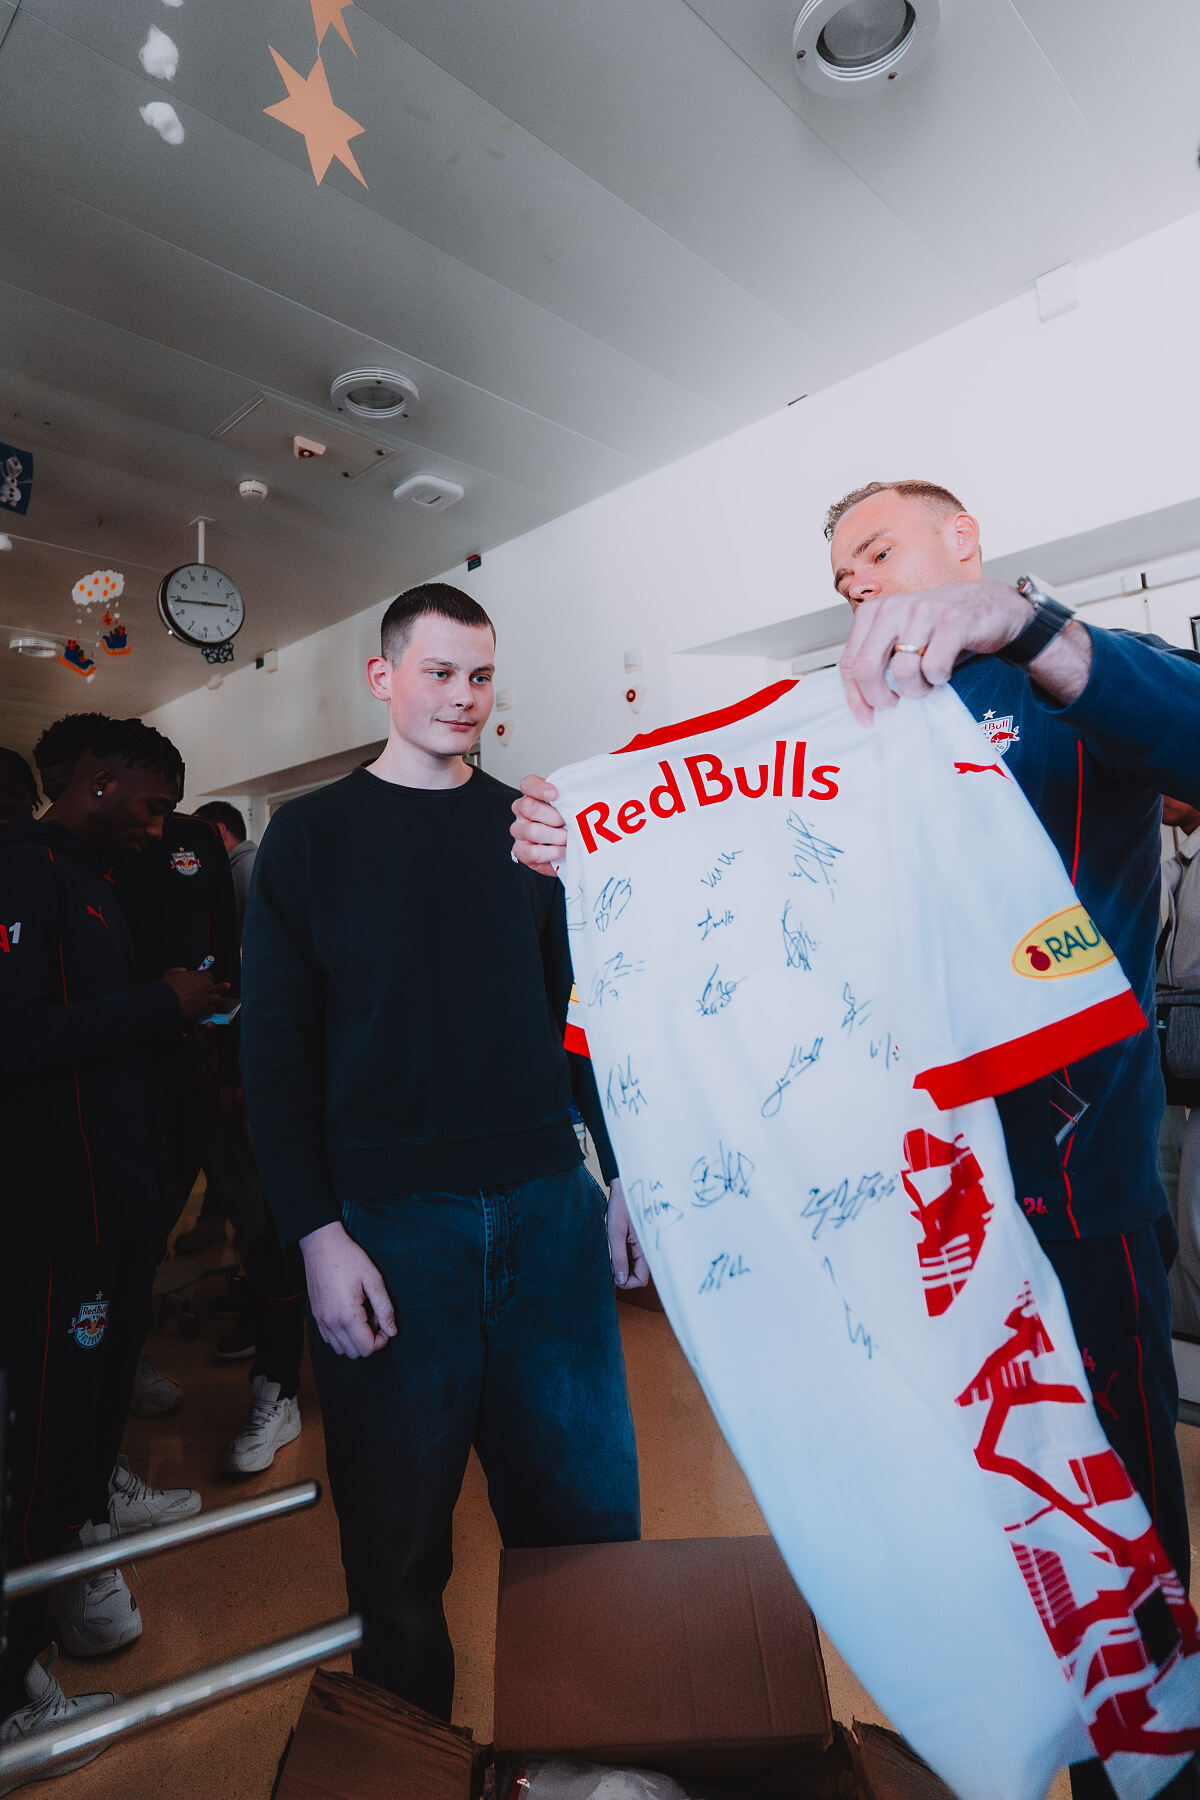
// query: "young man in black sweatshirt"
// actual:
[[405, 987], [86, 1188]]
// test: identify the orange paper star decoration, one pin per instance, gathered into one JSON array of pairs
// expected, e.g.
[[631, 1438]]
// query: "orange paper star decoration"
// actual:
[[329, 12], [310, 109]]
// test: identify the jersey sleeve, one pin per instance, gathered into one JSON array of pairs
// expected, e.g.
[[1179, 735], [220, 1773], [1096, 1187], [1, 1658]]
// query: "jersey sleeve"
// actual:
[[1000, 974]]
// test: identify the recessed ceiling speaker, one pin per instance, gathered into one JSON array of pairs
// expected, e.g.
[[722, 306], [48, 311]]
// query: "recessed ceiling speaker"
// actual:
[[25, 645], [375, 394], [853, 46]]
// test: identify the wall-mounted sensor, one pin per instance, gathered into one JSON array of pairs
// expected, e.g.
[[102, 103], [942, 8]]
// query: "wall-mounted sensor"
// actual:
[[502, 731], [634, 695], [253, 490], [305, 448], [433, 492]]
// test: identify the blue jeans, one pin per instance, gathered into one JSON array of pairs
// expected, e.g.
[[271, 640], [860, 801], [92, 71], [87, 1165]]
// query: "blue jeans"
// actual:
[[507, 1340]]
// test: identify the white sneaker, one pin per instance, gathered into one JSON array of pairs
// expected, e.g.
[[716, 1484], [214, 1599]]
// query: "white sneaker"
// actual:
[[270, 1423], [97, 1613], [49, 1708], [133, 1504], [153, 1392]]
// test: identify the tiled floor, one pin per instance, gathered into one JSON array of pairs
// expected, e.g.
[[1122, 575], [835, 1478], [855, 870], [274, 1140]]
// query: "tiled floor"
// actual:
[[203, 1604]]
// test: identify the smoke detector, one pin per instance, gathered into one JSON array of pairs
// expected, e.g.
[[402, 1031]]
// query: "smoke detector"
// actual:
[[24, 644], [253, 490], [375, 394], [433, 492], [852, 46]]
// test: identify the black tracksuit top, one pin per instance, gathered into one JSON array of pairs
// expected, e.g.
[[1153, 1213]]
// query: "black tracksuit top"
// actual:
[[80, 1115], [404, 995]]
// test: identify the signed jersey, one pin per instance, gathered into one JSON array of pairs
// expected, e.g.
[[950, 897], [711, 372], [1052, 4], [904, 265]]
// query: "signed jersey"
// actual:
[[807, 956]]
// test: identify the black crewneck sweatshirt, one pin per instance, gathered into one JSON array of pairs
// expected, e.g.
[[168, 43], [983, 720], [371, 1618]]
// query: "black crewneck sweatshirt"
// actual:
[[404, 995]]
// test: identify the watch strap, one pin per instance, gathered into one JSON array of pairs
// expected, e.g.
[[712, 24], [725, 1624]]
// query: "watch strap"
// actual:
[[1049, 618]]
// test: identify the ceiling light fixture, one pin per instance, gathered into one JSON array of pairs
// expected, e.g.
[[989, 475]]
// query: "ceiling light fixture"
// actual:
[[5, 541], [375, 394], [24, 645], [851, 46]]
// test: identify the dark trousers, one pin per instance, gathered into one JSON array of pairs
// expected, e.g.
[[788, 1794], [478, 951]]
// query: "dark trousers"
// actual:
[[71, 1329], [1118, 1294], [508, 1339], [276, 1276]]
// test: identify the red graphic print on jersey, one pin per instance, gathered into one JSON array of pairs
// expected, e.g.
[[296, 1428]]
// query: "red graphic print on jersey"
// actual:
[[955, 1216], [1119, 1620]]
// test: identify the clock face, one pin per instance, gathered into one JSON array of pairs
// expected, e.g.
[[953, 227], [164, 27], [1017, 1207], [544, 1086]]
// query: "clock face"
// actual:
[[201, 605]]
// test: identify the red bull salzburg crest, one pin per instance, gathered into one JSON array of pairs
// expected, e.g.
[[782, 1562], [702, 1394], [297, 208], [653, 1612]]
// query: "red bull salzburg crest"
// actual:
[[87, 1327], [1000, 731], [185, 862]]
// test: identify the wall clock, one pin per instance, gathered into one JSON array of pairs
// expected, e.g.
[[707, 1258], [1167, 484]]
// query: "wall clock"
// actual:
[[200, 605]]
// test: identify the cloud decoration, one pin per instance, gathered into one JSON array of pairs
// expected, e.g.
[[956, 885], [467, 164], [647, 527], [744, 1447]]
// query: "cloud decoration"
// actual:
[[159, 55], [164, 119], [98, 588]]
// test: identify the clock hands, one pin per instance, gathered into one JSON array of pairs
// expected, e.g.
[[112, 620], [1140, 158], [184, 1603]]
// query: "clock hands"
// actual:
[[224, 604]]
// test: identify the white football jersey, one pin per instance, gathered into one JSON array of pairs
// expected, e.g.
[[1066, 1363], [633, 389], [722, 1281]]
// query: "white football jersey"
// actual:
[[807, 954]]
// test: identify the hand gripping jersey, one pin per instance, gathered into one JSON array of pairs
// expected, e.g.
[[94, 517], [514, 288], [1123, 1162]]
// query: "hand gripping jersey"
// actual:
[[806, 956]]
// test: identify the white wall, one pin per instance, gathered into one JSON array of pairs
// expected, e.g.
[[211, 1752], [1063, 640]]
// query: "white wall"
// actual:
[[1046, 431]]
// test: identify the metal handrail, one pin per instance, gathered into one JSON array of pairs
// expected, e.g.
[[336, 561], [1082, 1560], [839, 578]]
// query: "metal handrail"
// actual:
[[187, 1694], [31, 1578]]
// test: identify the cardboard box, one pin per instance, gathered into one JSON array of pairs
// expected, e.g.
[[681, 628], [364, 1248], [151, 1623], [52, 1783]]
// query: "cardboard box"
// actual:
[[353, 1739], [885, 1768], [695, 1657]]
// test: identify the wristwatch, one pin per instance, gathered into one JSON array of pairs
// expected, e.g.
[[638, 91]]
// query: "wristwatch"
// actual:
[[1049, 618]]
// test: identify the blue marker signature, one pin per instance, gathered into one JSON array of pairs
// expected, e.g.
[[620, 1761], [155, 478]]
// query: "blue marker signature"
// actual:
[[723, 1268], [651, 1212], [575, 918], [855, 1330], [611, 901], [797, 1063], [857, 1011], [624, 1090], [728, 1172], [813, 857], [606, 983], [717, 993], [708, 924], [885, 1048], [840, 1206], [797, 944], [720, 868]]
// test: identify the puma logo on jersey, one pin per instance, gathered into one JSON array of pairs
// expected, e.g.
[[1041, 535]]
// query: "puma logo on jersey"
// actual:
[[707, 782], [1067, 943]]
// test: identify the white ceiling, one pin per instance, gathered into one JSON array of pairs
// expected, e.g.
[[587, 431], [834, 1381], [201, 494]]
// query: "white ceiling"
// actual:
[[598, 233]]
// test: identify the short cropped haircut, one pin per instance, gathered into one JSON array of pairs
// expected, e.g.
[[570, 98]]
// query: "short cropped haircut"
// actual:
[[939, 497], [432, 597], [138, 746], [65, 741], [219, 812], [14, 768]]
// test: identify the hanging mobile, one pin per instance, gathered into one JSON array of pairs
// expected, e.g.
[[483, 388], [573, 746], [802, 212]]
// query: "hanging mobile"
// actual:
[[198, 603]]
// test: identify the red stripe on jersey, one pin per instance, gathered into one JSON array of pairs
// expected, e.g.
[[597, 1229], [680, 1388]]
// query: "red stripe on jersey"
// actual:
[[713, 721], [1038, 1053], [575, 1038]]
